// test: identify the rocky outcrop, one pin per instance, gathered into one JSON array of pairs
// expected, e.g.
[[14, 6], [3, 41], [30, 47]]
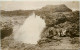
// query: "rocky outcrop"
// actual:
[[60, 19], [6, 30]]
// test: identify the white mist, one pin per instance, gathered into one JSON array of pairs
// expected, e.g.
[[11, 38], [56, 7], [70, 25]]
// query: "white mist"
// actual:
[[31, 30]]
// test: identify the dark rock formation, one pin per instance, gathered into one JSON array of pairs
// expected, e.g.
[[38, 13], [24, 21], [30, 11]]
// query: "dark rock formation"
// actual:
[[60, 19], [6, 30]]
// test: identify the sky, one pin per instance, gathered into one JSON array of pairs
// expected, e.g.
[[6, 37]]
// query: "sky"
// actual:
[[32, 5]]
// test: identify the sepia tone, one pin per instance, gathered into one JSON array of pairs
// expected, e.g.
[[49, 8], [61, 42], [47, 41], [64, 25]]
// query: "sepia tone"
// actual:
[[39, 25]]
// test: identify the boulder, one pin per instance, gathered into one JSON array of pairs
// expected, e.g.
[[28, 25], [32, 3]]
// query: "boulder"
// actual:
[[6, 30]]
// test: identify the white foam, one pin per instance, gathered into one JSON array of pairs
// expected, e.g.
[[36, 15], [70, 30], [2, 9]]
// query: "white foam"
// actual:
[[31, 29]]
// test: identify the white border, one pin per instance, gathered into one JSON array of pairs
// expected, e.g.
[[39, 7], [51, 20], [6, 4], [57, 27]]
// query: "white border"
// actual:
[[39, 0]]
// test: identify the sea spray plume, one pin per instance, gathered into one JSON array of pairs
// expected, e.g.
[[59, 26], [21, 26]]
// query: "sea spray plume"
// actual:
[[31, 30]]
